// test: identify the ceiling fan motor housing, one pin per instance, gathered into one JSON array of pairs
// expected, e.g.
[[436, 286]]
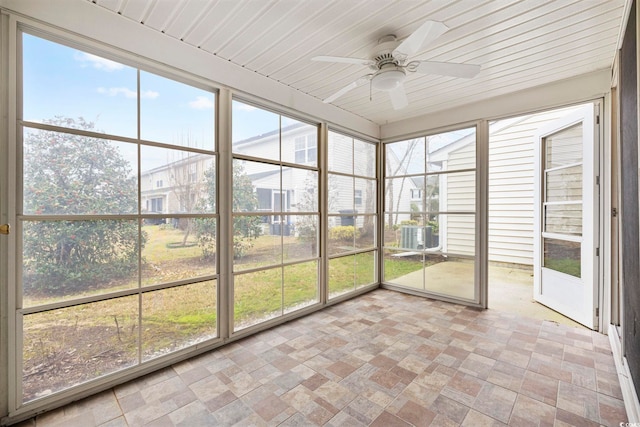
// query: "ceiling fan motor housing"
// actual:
[[384, 52]]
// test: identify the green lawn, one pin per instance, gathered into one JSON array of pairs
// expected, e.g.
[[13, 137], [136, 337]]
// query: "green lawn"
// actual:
[[564, 265], [105, 336]]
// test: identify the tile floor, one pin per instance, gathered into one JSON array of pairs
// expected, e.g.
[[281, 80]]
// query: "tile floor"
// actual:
[[383, 359]]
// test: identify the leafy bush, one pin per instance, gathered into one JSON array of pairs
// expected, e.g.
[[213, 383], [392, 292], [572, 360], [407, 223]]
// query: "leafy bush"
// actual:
[[245, 228], [205, 229], [345, 233], [67, 174]]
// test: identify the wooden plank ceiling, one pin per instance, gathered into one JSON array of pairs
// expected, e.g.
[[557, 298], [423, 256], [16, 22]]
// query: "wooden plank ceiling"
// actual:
[[519, 44]]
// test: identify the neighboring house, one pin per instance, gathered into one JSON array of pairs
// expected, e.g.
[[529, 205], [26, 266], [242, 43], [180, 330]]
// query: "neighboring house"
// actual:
[[175, 187], [511, 189], [178, 186]]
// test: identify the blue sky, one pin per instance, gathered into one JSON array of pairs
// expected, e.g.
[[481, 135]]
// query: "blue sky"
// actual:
[[62, 81]]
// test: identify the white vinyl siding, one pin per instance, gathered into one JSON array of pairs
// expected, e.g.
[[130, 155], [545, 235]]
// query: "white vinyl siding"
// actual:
[[458, 195], [511, 186]]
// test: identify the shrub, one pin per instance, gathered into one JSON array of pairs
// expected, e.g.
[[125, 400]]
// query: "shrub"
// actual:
[[345, 233], [68, 174]]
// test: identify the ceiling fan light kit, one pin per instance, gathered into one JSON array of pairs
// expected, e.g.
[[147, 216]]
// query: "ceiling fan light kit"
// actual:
[[390, 64], [389, 78]]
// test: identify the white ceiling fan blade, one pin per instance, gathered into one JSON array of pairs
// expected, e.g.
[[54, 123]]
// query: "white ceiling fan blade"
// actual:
[[344, 60], [347, 88], [448, 69], [398, 98], [428, 32]]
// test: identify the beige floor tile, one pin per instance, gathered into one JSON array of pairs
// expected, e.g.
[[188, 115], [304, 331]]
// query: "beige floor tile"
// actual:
[[382, 359]]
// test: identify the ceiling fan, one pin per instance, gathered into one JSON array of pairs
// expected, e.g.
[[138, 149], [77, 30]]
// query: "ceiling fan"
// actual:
[[390, 64]]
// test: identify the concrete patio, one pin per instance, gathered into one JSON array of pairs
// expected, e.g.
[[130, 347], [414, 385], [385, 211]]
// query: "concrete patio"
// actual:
[[510, 288]]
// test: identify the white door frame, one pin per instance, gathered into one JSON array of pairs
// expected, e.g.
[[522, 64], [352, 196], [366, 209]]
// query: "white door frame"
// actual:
[[580, 306]]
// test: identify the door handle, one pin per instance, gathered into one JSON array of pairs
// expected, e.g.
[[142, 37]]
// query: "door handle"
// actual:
[[5, 229]]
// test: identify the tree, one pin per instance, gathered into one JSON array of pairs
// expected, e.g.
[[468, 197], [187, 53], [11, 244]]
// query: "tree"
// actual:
[[185, 184], [389, 191], [71, 174], [245, 227], [307, 225]]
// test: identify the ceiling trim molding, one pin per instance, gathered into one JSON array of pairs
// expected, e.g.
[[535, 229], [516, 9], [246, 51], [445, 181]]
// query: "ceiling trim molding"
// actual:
[[577, 89]]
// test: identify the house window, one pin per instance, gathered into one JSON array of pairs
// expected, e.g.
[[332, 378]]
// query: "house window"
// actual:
[[306, 150], [357, 197], [156, 205], [159, 183], [416, 194]]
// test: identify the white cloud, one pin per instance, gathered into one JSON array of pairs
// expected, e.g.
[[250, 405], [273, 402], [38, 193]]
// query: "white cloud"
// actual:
[[201, 103], [150, 94], [89, 60], [115, 91], [127, 93], [244, 107]]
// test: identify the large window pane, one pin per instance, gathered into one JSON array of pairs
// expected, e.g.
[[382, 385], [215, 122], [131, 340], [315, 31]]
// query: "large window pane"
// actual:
[[340, 153], [453, 277], [405, 157], [62, 85], [73, 345], [421, 236], [251, 250], [69, 259], [257, 297], [178, 249], [67, 174], [342, 235], [341, 194], [255, 131], [177, 181], [341, 275], [403, 268], [300, 286], [367, 230], [302, 240], [364, 197], [299, 190], [257, 187], [365, 153], [302, 187], [299, 142], [365, 269], [457, 190], [176, 113], [401, 193], [452, 151], [175, 318], [455, 234], [425, 194], [562, 256]]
